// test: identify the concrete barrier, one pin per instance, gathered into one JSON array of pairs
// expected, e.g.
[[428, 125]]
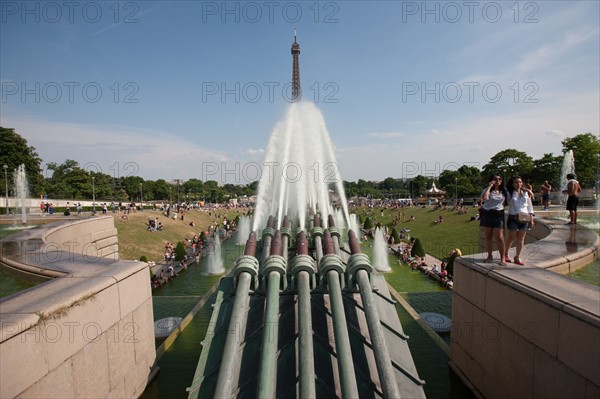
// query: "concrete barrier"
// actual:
[[88, 333], [527, 331]]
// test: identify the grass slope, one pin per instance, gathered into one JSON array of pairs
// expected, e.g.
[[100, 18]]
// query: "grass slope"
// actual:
[[135, 240], [457, 231]]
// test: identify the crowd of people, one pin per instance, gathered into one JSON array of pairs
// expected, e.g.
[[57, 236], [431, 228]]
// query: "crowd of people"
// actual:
[[196, 247], [443, 273], [489, 210]]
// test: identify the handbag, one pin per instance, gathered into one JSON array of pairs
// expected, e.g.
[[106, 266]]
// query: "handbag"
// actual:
[[523, 218]]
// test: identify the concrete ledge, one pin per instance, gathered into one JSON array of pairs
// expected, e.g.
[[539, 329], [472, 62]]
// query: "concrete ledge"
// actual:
[[528, 332], [87, 333]]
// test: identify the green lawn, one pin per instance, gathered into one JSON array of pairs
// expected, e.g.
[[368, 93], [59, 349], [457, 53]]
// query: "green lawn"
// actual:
[[456, 231], [135, 240]]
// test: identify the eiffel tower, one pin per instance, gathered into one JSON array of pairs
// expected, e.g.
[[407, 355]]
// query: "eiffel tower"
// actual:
[[296, 90]]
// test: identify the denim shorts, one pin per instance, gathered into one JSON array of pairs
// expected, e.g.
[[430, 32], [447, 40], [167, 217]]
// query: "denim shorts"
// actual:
[[513, 224]]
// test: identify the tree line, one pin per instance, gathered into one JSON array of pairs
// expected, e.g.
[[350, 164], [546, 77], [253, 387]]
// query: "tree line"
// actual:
[[70, 181]]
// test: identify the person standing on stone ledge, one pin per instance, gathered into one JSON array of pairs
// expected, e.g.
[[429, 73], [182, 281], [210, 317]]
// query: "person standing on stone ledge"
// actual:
[[572, 190], [519, 203], [494, 198], [545, 190]]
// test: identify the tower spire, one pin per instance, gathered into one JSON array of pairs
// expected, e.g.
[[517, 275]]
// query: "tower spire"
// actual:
[[296, 90]]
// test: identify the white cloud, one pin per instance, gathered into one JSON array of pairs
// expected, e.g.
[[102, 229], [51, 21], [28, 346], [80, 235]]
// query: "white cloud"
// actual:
[[119, 150], [258, 151], [545, 54], [473, 140], [386, 135]]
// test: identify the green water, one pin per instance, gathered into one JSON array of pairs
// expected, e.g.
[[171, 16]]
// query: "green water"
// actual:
[[590, 273], [426, 295], [11, 283], [179, 362], [177, 298], [403, 278], [431, 361]]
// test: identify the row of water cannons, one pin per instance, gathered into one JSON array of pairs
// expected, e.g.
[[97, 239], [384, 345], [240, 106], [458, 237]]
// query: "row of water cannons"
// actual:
[[326, 273]]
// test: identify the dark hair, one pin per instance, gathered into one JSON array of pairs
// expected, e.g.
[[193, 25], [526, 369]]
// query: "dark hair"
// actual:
[[493, 176], [570, 176], [500, 186], [510, 185]]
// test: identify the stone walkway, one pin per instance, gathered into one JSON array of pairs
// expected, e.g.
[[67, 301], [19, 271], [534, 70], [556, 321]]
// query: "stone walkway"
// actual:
[[555, 246]]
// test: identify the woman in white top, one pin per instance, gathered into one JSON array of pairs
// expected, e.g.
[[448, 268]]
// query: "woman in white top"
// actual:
[[519, 202], [492, 216]]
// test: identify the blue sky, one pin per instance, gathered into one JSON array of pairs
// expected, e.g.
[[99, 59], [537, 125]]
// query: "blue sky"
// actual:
[[183, 89]]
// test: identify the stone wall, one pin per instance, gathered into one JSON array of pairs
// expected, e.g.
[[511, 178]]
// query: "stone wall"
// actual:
[[87, 334], [95, 237], [528, 332]]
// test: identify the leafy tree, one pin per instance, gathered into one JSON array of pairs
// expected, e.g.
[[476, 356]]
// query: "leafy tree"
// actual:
[[391, 185], [395, 236], [546, 168], [69, 180], [162, 189], [359, 218], [103, 187], [419, 184], [120, 195], [213, 192], [470, 182], [253, 187], [586, 149], [417, 249], [14, 151], [508, 163], [368, 224], [131, 185], [250, 189], [351, 188], [193, 188], [448, 179], [465, 181], [179, 251]]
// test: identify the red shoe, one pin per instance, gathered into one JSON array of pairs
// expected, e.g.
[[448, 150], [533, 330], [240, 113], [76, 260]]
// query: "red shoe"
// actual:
[[507, 259], [519, 262]]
